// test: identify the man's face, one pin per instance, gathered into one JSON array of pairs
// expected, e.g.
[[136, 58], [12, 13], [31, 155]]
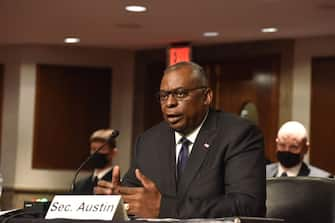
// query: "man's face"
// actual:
[[106, 150], [291, 143], [184, 112]]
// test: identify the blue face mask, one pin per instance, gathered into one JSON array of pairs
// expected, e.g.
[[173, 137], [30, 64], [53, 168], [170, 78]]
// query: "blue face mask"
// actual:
[[98, 161], [288, 159]]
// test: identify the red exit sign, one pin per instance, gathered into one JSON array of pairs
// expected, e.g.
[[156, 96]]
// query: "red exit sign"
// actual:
[[179, 54]]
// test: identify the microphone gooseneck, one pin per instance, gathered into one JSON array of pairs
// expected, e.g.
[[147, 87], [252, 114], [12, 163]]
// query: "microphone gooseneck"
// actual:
[[110, 139]]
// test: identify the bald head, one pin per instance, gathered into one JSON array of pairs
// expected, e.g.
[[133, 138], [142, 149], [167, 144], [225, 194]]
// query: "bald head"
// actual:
[[292, 144], [294, 129]]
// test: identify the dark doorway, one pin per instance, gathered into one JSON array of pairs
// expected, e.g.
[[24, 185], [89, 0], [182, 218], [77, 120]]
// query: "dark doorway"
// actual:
[[71, 103], [322, 131]]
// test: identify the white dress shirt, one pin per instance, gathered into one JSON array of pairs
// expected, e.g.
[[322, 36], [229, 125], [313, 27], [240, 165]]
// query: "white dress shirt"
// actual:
[[101, 173], [191, 138], [291, 172]]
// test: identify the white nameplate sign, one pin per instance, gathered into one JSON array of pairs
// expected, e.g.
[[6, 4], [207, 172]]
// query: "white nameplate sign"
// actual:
[[87, 207]]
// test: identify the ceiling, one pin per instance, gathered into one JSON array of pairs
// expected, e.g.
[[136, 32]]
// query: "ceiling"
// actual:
[[105, 23]]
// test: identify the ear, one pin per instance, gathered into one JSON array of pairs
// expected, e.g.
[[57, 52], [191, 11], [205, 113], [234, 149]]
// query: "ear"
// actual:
[[276, 146], [208, 97], [306, 147], [114, 151]]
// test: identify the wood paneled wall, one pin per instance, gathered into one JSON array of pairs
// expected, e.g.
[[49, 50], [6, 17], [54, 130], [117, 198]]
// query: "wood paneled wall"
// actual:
[[71, 103], [149, 66], [151, 103], [263, 58], [1, 98], [238, 81], [322, 129]]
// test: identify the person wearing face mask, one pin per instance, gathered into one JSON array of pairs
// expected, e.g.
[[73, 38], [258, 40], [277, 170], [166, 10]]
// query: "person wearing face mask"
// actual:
[[292, 145], [100, 163]]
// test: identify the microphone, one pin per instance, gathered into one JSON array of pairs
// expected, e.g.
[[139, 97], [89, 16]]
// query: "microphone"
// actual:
[[110, 139]]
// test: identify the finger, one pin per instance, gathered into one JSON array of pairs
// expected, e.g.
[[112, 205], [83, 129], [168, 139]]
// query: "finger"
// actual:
[[128, 198], [108, 186], [131, 208], [146, 182], [116, 175], [126, 206], [103, 183], [129, 190], [102, 190], [128, 209]]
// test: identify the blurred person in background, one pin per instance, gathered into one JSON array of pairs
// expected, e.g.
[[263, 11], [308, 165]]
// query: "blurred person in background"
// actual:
[[292, 145], [100, 163]]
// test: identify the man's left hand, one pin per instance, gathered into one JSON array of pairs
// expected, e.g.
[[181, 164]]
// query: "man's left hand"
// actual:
[[142, 201]]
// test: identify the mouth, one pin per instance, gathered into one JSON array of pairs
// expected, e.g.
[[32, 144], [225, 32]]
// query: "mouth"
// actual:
[[173, 118]]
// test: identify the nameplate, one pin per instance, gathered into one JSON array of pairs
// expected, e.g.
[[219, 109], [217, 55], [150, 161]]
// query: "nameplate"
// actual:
[[87, 207]]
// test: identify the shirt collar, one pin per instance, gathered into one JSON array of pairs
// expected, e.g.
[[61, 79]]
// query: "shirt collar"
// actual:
[[191, 136], [101, 173], [291, 172]]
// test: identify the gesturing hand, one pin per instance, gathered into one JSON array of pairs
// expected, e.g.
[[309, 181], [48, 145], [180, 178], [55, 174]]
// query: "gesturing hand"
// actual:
[[142, 201], [106, 187]]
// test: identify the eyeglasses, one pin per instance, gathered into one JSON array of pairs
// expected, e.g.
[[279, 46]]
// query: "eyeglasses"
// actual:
[[178, 94]]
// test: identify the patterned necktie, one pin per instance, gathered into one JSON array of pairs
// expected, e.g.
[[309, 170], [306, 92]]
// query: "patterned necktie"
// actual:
[[183, 156]]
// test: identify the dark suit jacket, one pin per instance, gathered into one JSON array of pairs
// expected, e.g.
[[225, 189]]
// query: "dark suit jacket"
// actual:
[[86, 185], [225, 179]]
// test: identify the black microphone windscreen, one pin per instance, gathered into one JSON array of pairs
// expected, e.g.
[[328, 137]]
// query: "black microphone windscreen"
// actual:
[[115, 133], [112, 137]]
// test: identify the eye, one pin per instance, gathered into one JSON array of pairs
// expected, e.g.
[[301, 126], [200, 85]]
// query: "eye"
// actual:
[[163, 95], [180, 93], [281, 145]]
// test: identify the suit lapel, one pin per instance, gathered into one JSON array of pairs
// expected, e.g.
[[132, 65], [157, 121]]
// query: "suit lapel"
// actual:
[[304, 170], [108, 176], [87, 186], [199, 152], [274, 170], [166, 154]]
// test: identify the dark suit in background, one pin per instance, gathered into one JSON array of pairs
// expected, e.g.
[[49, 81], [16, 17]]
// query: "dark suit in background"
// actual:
[[86, 185], [102, 149], [224, 176]]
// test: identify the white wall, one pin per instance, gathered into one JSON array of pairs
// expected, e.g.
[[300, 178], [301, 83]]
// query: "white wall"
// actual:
[[19, 100], [304, 51]]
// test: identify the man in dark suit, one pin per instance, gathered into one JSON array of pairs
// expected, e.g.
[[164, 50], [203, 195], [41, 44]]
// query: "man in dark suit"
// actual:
[[101, 162], [292, 145], [222, 172]]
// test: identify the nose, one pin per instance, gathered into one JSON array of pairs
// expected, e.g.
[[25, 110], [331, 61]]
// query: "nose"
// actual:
[[171, 101], [282, 147], [286, 148]]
